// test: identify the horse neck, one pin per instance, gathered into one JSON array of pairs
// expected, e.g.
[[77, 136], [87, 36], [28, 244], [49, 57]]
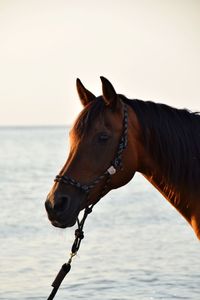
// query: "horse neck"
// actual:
[[185, 200], [151, 171]]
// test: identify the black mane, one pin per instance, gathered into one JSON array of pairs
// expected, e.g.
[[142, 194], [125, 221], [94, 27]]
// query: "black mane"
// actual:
[[172, 137]]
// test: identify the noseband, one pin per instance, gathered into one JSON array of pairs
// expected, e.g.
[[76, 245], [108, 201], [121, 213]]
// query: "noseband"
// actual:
[[115, 165]]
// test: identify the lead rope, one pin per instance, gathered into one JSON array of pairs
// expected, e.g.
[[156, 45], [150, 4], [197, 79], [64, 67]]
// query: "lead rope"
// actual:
[[79, 235], [66, 267]]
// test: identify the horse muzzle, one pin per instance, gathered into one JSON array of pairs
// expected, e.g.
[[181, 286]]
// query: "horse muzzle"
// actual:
[[61, 211]]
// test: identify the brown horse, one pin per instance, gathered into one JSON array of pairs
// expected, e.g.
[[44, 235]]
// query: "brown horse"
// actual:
[[114, 137]]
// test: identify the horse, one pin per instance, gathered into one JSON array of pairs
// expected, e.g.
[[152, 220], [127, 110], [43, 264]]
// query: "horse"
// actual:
[[114, 137]]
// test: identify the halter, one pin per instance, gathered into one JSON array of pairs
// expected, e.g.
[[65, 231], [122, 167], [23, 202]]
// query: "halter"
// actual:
[[115, 165]]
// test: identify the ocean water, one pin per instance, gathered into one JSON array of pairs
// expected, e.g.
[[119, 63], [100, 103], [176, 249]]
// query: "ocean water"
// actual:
[[136, 245]]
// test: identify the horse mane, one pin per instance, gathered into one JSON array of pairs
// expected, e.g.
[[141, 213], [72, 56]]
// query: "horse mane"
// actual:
[[172, 138]]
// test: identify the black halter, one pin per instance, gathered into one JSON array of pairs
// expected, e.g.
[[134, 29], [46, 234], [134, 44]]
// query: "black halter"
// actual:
[[116, 165]]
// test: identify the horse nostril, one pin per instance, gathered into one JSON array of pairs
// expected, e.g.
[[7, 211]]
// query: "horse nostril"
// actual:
[[48, 205], [61, 204]]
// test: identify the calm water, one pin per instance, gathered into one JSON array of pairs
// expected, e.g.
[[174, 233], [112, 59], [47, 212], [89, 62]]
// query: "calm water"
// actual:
[[136, 245]]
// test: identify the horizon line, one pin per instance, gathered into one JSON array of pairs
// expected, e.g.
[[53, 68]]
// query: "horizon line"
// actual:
[[32, 125]]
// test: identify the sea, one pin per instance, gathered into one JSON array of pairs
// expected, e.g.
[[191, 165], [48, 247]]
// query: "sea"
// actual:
[[136, 245]]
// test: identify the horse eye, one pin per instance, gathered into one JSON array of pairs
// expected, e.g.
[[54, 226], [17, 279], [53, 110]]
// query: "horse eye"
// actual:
[[103, 137]]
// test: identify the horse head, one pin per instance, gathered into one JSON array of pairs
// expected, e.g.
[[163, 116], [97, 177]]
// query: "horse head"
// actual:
[[99, 159]]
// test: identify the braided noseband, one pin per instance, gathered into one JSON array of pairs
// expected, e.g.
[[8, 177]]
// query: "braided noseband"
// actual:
[[79, 234]]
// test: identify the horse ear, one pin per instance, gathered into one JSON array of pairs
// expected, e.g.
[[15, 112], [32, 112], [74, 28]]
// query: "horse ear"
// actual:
[[109, 95], [84, 95]]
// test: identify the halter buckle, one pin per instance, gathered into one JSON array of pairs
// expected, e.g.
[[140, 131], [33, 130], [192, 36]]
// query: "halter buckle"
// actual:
[[111, 170]]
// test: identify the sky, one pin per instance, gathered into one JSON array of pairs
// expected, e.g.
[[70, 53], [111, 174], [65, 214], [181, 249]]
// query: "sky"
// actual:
[[148, 49]]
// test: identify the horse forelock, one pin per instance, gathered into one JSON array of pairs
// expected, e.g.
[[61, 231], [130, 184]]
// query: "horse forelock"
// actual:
[[93, 111]]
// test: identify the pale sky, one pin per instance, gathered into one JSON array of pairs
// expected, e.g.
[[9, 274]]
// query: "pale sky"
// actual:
[[148, 49]]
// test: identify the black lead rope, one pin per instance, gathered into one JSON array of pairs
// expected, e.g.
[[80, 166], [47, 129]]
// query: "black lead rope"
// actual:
[[79, 235]]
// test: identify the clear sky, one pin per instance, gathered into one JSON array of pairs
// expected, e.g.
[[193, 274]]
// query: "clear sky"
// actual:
[[149, 49]]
